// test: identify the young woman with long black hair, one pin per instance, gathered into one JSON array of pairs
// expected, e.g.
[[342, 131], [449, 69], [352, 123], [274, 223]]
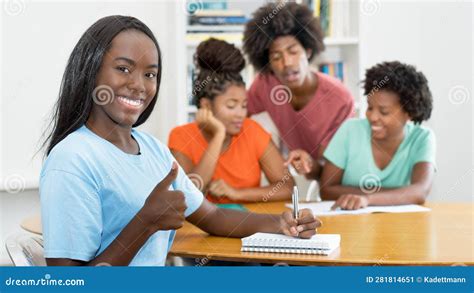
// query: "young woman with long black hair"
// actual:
[[113, 194]]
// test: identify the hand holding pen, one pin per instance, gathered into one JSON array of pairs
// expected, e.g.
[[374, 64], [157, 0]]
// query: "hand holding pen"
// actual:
[[299, 223]]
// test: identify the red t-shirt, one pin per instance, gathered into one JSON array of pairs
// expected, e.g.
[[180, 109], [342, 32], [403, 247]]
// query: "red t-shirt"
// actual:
[[311, 127]]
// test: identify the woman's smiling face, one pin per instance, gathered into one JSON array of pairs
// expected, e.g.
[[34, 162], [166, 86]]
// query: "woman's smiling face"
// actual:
[[129, 69], [386, 115]]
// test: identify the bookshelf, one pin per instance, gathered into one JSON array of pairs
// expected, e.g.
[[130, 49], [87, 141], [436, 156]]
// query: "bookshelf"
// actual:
[[342, 43], [341, 46]]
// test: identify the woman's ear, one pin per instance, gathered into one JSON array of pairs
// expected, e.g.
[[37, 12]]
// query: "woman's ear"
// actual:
[[205, 103], [308, 52]]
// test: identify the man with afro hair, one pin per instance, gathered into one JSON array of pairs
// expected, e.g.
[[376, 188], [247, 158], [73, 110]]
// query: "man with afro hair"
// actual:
[[306, 106]]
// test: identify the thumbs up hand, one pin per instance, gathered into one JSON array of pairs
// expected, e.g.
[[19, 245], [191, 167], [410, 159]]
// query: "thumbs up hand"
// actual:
[[164, 208]]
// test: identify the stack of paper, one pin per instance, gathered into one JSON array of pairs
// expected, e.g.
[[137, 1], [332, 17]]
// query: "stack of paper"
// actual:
[[324, 209]]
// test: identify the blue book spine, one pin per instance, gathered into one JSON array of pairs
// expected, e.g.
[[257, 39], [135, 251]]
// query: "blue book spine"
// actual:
[[340, 70], [324, 68]]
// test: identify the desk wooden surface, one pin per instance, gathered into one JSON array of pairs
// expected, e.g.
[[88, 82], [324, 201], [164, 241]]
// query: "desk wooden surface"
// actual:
[[32, 224], [443, 236]]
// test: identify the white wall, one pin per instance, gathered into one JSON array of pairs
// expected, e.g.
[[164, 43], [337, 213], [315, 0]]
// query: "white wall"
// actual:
[[36, 40], [435, 36]]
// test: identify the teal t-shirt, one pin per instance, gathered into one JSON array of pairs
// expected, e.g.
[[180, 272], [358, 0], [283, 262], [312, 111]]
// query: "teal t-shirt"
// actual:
[[350, 149]]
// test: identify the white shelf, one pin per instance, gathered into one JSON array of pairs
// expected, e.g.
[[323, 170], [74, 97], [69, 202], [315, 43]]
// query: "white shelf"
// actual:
[[214, 28], [345, 41], [341, 41], [194, 44], [194, 39]]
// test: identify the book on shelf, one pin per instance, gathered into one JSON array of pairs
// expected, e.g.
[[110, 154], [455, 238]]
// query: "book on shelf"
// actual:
[[194, 6], [214, 5], [191, 75], [218, 12], [334, 17], [218, 17], [334, 69], [215, 29], [217, 20], [191, 117]]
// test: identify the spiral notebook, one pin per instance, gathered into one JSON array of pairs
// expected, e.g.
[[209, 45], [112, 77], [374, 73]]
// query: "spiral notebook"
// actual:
[[323, 244]]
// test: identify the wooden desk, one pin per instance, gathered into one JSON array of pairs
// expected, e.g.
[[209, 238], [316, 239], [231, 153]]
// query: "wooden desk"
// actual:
[[443, 236], [32, 224]]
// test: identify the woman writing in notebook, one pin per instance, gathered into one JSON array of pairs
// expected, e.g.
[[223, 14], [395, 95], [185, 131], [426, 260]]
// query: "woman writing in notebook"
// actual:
[[224, 151], [387, 158], [111, 194]]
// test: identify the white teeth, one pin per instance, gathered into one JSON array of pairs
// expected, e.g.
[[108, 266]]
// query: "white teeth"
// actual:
[[135, 103], [376, 128]]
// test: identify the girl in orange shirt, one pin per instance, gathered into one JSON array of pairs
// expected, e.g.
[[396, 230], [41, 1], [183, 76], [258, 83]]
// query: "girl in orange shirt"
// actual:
[[223, 152]]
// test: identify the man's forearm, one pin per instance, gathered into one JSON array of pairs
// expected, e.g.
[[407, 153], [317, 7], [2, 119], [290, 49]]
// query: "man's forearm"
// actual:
[[315, 172], [335, 191], [411, 194]]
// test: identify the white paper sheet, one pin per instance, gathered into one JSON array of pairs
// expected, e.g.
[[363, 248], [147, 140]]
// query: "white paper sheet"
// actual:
[[324, 209]]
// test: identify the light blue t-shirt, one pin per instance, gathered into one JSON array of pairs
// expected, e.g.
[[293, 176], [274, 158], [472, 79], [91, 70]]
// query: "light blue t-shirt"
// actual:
[[90, 190], [350, 149]]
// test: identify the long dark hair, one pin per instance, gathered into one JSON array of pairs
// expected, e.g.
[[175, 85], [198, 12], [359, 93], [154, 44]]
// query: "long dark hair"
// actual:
[[219, 65], [75, 95]]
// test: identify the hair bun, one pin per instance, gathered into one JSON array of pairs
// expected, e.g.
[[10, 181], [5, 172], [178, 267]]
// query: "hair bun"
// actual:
[[219, 56]]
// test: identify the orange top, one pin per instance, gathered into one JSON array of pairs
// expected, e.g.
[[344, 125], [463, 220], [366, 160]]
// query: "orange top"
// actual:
[[238, 166]]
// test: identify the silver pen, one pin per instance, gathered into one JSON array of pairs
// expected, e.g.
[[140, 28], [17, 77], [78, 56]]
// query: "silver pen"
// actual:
[[295, 199]]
